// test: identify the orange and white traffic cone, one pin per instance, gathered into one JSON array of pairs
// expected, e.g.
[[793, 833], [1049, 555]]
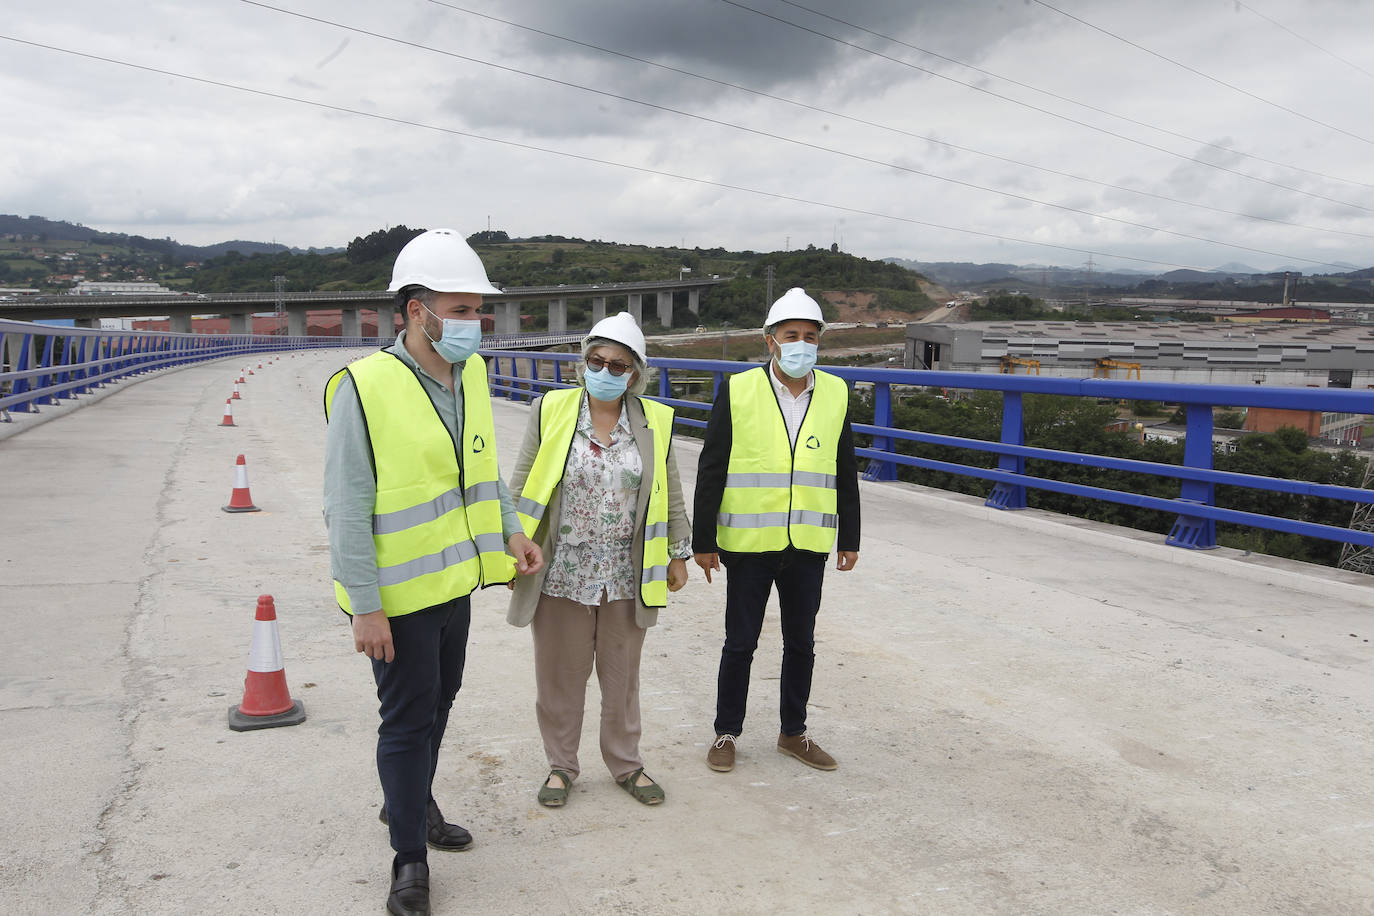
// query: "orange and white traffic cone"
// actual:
[[267, 702], [241, 371], [240, 500], [259, 365], [236, 396], [228, 413]]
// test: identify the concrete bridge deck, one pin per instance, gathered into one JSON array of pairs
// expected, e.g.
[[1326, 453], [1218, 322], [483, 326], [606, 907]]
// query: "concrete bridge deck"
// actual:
[[1031, 714]]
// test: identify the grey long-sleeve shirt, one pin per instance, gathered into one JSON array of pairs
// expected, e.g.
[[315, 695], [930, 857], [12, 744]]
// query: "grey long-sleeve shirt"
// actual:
[[350, 489]]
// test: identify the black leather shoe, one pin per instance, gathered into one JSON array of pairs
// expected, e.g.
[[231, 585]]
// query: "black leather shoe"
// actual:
[[443, 836], [409, 890]]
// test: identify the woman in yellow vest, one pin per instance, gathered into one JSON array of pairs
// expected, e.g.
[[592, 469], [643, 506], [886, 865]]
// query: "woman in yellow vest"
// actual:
[[616, 538]]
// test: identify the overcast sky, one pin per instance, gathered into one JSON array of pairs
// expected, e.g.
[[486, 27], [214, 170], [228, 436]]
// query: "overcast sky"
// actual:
[[405, 116]]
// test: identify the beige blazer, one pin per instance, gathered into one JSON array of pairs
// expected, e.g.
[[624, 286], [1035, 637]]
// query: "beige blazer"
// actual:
[[528, 588]]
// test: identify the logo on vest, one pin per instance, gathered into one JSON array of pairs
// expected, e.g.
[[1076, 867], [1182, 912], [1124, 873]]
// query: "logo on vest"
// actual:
[[812, 442], [478, 443]]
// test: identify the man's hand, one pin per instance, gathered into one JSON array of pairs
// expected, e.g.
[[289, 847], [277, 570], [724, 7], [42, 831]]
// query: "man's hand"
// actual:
[[528, 558], [707, 562], [677, 574], [372, 636], [845, 560]]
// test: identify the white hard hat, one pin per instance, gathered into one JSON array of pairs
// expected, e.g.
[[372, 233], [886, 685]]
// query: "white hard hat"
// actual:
[[795, 303], [623, 329], [441, 260]]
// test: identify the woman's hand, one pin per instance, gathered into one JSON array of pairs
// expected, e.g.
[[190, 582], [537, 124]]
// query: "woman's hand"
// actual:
[[677, 574]]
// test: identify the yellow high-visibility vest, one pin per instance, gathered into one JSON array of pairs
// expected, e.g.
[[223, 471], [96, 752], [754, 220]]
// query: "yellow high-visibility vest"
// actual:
[[436, 522], [557, 423], [777, 494]]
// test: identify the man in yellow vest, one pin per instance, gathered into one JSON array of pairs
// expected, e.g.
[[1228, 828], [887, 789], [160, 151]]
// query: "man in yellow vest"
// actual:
[[419, 518], [777, 488]]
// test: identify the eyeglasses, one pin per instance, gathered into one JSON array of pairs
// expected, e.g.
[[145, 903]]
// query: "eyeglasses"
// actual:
[[596, 364]]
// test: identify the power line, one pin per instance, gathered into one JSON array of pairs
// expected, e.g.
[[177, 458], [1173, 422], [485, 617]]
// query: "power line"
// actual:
[[1303, 38], [858, 211], [1207, 76], [1044, 111], [906, 133], [1064, 98], [784, 139]]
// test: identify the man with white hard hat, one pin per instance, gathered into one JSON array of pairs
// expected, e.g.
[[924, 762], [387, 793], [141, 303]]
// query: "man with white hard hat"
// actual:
[[777, 489], [418, 519]]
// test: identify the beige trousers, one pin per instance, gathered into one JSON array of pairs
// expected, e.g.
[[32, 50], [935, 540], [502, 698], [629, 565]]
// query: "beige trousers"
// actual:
[[569, 638]]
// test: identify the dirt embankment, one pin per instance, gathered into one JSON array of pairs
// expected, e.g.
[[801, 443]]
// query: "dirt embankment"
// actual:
[[858, 306]]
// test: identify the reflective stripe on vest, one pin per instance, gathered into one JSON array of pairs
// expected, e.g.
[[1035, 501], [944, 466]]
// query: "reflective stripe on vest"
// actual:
[[558, 413], [436, 521], [775, 494]]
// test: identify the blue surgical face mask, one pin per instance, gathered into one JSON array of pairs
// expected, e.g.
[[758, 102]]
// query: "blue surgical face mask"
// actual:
[[603, 386], [796, 357], [458, 340]]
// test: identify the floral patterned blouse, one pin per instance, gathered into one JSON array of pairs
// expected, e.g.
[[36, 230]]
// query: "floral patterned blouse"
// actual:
[[592, 550]]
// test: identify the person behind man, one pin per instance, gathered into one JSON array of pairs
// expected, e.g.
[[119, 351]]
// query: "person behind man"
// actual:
[[777, 488], [597, 487], [418, 518]]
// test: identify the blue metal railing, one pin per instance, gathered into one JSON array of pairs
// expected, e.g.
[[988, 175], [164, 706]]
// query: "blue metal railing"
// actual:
[[1197, 514], [42, 364]]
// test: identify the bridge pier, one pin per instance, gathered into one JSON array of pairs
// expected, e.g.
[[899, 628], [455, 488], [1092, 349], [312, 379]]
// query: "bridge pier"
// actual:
[[507, 317], [351, 323], [694, 301], [598, 308], [665, 308], [241, 323], [558, 316], [295, 321], [636, 307], [386, 322], [181, 324]]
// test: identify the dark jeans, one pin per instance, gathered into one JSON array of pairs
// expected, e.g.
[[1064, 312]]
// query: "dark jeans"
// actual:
[[749, 579], [416, 692]]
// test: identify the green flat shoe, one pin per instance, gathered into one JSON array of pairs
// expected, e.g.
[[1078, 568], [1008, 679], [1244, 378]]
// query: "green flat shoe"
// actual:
[[652, 794], [551, 797]]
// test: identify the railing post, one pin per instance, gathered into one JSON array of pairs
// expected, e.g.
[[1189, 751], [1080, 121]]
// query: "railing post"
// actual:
[[1190, 531], [81, 374], [1008, 495], [882, 416], [558, 371], [22, 385], [45, 362], [665, 388]]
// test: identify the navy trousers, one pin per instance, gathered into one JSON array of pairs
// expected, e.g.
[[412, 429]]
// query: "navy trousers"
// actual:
[[415, 692], [749, 578]]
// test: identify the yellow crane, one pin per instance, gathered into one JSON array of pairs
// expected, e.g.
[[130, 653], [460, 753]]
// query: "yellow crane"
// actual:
[[1009, 364], [1104, 367]]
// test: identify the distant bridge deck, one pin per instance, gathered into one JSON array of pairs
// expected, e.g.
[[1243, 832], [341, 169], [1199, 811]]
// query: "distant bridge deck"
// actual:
[[1032, 714]]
